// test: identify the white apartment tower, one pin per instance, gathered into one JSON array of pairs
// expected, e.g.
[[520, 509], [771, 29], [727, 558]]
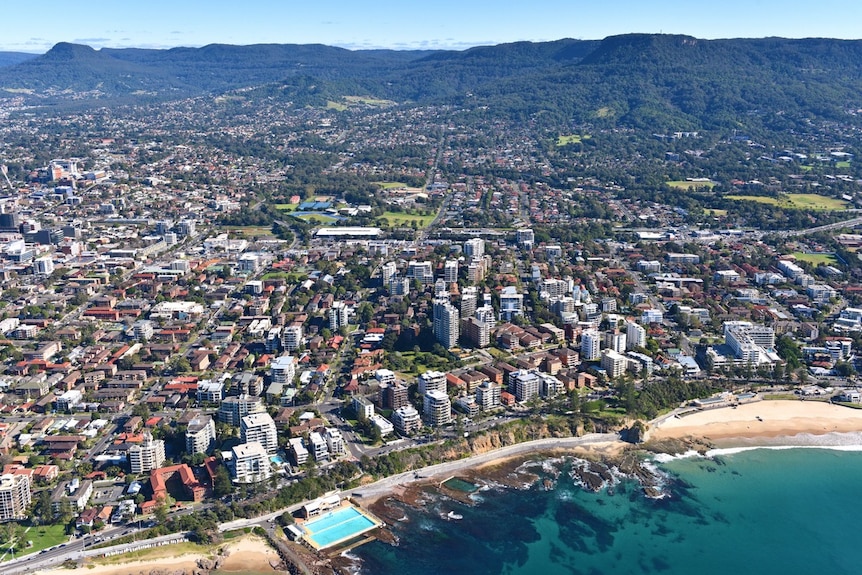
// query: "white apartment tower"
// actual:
[[590, 343], [432, 381], [511, 303], [250, 463], [474, 248], [525, 238], [450, 271], [283, 369], [147, 456], [437, 408], [469, 300], [338, 315], [291, 337], [259, 427], [387, 272], [488, 395], [635, 336], [406, 420], [232, 409], [200, 435], [525, 385], [15, 497], [446, 323]]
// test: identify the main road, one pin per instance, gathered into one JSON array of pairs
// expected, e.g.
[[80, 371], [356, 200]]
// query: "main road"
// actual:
[[77, 549]]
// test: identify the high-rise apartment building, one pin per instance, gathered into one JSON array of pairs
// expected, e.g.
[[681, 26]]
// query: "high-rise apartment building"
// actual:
[[259, 427]]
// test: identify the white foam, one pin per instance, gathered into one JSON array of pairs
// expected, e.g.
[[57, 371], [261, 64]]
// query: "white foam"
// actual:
[[735, 450], [666, 457]]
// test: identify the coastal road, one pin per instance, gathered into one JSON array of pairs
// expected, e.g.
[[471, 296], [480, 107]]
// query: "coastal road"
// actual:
[[385, 485], [76, 550], [389, 483]]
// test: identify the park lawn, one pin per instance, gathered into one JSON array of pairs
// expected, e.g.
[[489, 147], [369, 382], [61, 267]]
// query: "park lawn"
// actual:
[[817, 202], [715, 212], [403, 219], [813, 202], [816, 259], [571, 139], [286, 207], [842, 164], [498, 353], [806, 168], [250, 231], [337, 106], [43, 537], [369, 101], [390, 185], [687, 185], [321, 218]]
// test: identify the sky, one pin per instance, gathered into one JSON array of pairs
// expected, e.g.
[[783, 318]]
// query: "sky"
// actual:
[[36, 25]]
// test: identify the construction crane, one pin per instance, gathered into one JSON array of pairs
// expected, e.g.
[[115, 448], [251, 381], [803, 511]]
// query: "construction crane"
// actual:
[[5, 170]]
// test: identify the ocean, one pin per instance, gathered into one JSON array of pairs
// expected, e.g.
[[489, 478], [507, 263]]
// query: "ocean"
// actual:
[[759, 511]]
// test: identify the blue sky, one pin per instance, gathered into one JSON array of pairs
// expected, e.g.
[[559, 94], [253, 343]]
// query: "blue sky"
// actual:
[[36, 25]]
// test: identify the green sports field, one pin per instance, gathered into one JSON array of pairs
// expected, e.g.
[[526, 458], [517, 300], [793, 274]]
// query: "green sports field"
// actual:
[[813, 202]]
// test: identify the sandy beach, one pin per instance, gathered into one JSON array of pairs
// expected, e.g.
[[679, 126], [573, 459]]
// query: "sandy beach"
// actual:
[[248, 554], [763, 419]]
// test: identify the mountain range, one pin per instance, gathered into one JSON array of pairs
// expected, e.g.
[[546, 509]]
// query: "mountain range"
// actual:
[[635, 80]]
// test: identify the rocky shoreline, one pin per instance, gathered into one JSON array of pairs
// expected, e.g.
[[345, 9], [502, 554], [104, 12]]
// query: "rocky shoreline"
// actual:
[[593, 471]]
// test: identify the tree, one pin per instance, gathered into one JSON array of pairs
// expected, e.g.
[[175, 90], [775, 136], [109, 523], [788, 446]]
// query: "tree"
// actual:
[[161, 512], [42, 509], [180, 364], [221, 482], [844, 369], [141, 410]]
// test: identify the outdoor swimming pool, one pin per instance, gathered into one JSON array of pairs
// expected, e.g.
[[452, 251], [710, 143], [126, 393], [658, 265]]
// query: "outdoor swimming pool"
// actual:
[[277, 459], [336, 526]]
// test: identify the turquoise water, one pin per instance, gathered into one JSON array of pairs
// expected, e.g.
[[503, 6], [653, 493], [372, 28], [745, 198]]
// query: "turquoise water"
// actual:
[[459, 484], [338, 526], [760, 511], [276, 459]]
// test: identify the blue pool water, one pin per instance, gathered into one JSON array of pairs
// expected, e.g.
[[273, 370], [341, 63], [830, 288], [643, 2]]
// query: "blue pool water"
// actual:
[[337, 526], [277, 459]]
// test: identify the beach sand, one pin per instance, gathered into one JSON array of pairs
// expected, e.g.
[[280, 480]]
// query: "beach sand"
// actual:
[[248, 554], [763, 419]]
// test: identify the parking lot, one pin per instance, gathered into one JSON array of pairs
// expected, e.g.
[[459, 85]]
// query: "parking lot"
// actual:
[[104, 493]]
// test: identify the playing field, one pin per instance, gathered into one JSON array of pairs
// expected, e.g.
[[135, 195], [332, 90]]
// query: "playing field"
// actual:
[[250, 231], [816, 259], [390, 185], [572, 139], [814, 202], [398, 219], [688, 185]]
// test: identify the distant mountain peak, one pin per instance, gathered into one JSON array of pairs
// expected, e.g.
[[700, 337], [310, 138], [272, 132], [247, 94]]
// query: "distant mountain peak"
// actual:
[[69, 51]]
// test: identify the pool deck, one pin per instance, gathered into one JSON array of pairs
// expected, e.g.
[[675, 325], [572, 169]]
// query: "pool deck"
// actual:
[[309, 535]]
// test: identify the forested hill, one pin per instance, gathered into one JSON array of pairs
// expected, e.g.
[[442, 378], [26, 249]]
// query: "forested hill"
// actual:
[[12, 58], [637, 80]]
